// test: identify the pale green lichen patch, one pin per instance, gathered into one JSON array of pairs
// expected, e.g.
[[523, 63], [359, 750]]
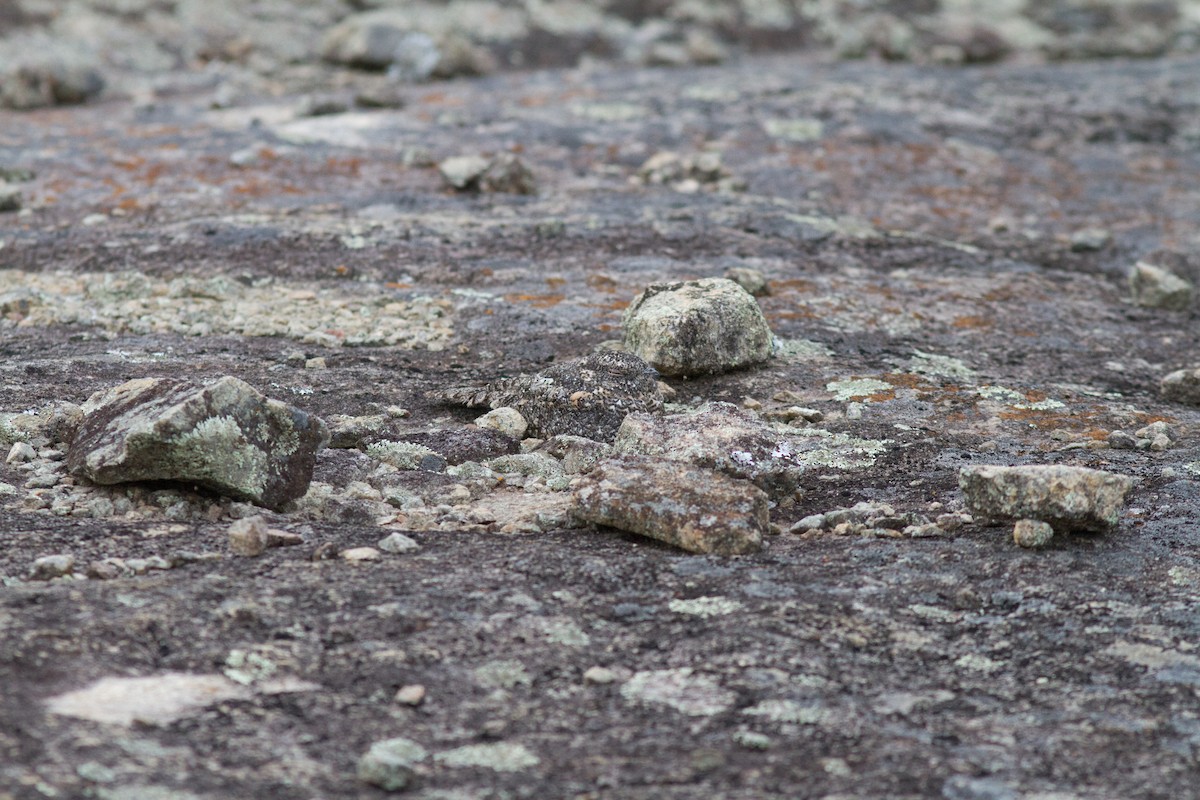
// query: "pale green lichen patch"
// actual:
[[800, 349], [1011, 397], [498, 756], [247, 667], [608, 112], [857, 388], [705, 606], [940, 366], [681, 689], [401, 455], [218, 447], [794, 130], [503, 674], [789, 711]]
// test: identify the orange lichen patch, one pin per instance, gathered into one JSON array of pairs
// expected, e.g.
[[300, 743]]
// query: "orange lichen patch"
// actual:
[[344, 166], [536, 300], [601, 282], [878, 397], [555, 281], [397, 285], [615, 305], [441, 99], [255, 187], [791, 313], [971, 321], [906, 380]]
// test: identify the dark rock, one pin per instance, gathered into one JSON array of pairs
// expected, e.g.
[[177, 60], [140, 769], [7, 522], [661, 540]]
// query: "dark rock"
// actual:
[[587, 397], [225, 436]]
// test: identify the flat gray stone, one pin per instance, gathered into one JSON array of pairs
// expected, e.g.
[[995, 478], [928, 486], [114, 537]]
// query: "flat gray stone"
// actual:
[[225, 436], [1067, 498], [691, 508], [718, 436], [1153, 286], [697, 327], [1182, 386]]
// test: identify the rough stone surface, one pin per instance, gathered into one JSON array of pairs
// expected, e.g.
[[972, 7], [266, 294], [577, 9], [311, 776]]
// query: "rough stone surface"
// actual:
[[388, 764], [225, 436], [1032, 533], [694, 509], [698, 327], [1181, 386], [587, 397], [1155, 287], [717, 436], [1068, 498], [505, 420], [248, 536]]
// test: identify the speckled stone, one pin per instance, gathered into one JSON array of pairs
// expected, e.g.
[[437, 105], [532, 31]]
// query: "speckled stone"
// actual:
[[1067, 498]]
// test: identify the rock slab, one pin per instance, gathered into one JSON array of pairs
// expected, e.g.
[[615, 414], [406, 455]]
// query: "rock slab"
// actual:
[[225, 436], [1066, 498], [718, 436], [694, 509], [697, 327]]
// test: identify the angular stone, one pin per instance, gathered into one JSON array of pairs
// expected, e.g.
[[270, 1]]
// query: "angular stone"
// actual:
[[1182, 386], [388, 764], [225, 436], [464, 172], [697, 327], [1067, 498], [505, 420], [55, 566], [718, 436], [1032, 533], [695, 509], [587, 396], [248, 537], [1153, 286]]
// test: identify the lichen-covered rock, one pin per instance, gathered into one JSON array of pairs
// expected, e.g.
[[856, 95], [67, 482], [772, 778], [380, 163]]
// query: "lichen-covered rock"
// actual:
[[1182, 386], [47, 77], [587, 397], [695, 509], [389, 763], [225, 436], [505, 173], [718, 436], [697, 327], [1032, 533], [1067, 498], [1153, 286]]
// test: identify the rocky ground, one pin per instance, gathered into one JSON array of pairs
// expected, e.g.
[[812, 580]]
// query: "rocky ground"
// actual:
[[941, 254]]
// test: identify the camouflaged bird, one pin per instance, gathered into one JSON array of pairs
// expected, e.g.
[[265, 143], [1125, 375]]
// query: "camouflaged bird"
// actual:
[[587, 396]]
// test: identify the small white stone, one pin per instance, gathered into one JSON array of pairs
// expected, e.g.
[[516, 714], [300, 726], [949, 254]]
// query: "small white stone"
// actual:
[[248, 537], [1032, 533], [505, 420], [20, 453], [361, 554], [54, 566], [411, 695], [397, 543], [599, 676]]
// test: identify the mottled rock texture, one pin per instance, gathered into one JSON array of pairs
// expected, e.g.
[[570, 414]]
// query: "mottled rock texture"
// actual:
[[587, 397], [695, 509], [718, 436], [1154, 286], [1182, 386], [225, 436], [1067, 498], [698, 327]]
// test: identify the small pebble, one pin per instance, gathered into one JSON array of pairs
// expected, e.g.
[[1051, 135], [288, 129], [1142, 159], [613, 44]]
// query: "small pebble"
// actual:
[[105, 570], [248, 537], [1120, 440], [315, 363], [397, 543], [599, 676], [20, 453], [361, 554], [411, 695], [48, 567], [1032, 533]]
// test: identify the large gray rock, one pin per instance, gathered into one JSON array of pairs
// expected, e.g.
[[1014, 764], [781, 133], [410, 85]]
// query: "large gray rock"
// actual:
[[1182, 386], [697, 327], [225, 436], [1068, 498], [718, 436], [410, 43], [695, 509], [1154, 286]]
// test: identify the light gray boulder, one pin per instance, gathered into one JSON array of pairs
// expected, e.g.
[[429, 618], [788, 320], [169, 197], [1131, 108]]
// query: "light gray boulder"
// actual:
[[1067, 498]]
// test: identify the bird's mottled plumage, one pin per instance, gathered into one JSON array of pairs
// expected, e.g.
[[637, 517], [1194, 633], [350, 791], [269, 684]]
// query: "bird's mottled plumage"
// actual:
[[587, 396]]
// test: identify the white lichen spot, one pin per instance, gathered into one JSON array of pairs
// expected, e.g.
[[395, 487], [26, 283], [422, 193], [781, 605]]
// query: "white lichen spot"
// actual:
[[977, 663], [705, 606], [680, 689], [800, 349], [856, 388], [742, 458], [789, 711], [217, 448], [498, 756]]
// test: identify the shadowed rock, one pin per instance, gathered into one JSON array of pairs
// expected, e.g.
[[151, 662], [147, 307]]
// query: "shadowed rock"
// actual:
[[1067, 498], [588, 397], [696, 509], [225, 436]]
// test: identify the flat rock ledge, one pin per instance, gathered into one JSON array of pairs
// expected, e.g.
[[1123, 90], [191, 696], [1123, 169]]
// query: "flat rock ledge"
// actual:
[[225, 436], [1066, 498], [695, 509], [699, 327]]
